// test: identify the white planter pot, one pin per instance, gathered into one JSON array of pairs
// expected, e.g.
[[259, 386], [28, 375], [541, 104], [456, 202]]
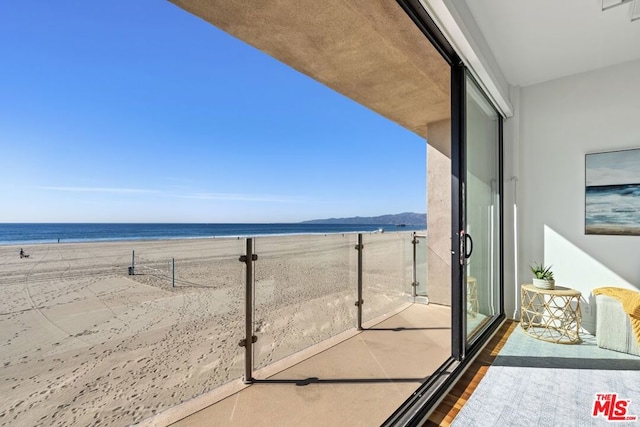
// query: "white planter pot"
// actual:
[[544, 284]]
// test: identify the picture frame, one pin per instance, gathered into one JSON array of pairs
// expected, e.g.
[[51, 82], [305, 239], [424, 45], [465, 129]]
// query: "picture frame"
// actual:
[[612, 192]]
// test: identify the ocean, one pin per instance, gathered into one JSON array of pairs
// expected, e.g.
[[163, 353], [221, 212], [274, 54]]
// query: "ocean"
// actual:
[[11, 233], [613, 205]]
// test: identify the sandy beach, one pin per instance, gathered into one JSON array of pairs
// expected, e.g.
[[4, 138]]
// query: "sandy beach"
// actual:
[[85, 343], [613, 229]]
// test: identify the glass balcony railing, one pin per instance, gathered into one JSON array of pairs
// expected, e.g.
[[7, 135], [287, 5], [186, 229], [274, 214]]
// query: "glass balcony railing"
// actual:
[[304, 293], [168, 321], [189, 324], [386, 273]]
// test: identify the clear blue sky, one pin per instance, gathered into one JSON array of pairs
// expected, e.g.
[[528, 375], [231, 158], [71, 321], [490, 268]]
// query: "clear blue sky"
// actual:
[[136, 111]]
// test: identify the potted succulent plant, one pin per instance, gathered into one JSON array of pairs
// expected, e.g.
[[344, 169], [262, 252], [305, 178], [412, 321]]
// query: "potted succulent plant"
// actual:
[[542, 276]]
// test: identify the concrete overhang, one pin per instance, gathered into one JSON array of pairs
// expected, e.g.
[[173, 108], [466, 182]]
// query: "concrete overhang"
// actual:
[[369, 51]]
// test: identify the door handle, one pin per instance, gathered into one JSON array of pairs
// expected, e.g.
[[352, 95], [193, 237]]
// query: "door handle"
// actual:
[[470, 246]]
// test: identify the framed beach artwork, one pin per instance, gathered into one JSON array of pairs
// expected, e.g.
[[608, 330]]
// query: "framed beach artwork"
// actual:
[[612, 193]]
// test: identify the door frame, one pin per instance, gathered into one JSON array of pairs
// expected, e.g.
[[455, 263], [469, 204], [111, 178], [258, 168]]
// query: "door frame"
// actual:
[[416, 409], [458, 210], [459, 344]]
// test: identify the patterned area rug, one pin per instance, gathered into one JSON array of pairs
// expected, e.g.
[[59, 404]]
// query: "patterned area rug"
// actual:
[[536, 383]]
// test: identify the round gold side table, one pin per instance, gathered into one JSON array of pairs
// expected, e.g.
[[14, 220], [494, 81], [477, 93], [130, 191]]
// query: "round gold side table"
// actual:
[[551, 314]]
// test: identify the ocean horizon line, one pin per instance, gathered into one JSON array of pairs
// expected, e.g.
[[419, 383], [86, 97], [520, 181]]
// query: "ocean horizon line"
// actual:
[[45, 233]]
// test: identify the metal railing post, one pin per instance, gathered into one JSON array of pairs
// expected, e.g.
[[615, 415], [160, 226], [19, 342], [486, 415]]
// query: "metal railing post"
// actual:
[[132, 269], [360, 301], [414, 273], [249, 338]]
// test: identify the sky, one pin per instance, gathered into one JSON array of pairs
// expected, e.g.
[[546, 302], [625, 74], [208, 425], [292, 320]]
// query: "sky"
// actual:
[[614, 167], [137, 111]]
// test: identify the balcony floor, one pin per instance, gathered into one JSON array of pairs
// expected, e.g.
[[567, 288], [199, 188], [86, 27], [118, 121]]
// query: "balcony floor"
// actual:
[[360, 380]]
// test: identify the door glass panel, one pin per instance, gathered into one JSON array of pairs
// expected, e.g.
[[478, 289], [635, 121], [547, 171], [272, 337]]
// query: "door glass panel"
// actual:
[[482, 269]]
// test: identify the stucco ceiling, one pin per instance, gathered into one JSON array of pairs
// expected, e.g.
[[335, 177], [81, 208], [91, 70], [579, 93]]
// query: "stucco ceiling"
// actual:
[[370, 51], [536, 41]]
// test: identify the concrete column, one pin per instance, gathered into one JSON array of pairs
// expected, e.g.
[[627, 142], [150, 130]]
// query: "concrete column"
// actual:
[[439, 212]]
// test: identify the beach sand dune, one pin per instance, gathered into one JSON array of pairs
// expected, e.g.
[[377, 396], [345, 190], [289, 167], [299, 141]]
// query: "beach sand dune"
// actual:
[[85, 343]]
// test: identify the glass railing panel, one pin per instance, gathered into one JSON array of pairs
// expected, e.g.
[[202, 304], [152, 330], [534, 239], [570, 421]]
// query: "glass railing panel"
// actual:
[[421, 265], [193, 340], [91, 344], [386, 273], [305, 290]]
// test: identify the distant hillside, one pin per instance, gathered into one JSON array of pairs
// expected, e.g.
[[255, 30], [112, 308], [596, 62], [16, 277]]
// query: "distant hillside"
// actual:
[[408, 218]]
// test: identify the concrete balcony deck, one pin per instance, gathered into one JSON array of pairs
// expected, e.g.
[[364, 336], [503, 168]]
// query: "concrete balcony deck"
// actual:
[[359, 378]]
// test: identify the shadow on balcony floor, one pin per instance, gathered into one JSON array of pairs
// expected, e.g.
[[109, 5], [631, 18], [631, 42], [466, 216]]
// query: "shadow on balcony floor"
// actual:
[[358, 381]]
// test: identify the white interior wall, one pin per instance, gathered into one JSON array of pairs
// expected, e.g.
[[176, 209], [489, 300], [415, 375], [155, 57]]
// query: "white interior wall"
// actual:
[[511, 172], [559, 122]]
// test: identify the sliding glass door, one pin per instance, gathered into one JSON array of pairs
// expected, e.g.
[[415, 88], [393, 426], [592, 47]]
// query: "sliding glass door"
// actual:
[[465, 229], [476, 268], [482, 231]]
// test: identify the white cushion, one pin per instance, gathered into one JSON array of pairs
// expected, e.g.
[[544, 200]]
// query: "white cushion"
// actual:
[[613, 327]]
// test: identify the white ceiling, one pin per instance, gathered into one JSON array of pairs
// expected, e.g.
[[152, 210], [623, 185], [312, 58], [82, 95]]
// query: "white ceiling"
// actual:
[[538, 40]]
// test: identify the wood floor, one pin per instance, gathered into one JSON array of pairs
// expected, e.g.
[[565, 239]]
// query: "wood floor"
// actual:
[[460, 393]]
